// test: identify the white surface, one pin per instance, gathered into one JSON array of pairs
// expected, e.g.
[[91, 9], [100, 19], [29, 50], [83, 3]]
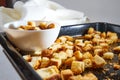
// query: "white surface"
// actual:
[[96, 10]]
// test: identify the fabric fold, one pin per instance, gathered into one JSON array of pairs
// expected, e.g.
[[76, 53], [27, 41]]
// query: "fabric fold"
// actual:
[[41, 10]]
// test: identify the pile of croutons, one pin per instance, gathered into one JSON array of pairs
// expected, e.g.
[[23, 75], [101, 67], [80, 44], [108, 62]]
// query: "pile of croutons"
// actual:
[[31, 25], [70, 56]]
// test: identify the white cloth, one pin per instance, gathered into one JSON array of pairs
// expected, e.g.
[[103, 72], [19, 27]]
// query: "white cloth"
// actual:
[[41, 10]]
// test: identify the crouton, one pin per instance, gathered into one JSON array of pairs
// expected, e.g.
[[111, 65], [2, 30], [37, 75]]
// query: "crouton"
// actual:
[[77, 67], [88, 63], [98, 61], [44, 62], [78, 55], [65, 74], [108, 55], [48, 73], [56, 62], [69, 61], [28, 58]]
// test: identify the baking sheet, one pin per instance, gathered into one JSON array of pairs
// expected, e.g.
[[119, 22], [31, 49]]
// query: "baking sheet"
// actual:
[[25, 70]]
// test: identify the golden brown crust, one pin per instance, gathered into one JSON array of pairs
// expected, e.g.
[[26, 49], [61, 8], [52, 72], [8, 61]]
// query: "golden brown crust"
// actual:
[[65, 74], [73, 55], [77, 67], [78, 77], [32, 26]]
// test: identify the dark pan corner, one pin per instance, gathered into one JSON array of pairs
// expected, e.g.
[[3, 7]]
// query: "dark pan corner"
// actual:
[[22, 67]]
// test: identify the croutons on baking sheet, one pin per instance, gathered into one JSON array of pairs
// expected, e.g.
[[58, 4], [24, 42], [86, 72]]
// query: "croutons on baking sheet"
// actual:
[[69, 57]]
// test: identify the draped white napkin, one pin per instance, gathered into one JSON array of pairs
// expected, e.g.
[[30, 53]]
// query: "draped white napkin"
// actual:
[[41, 10]]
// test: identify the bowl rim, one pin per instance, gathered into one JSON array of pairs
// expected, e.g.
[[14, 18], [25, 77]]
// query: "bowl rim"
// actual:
[[6, 26]]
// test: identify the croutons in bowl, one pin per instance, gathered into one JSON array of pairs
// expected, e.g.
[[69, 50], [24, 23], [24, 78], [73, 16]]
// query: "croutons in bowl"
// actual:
[[32, 35]]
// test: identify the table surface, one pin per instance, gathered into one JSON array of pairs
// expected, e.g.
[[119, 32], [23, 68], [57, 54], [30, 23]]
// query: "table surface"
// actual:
[[7, 71], [96, 10]]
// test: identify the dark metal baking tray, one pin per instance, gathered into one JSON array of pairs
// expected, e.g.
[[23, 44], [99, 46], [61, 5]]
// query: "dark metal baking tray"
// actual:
[[26, 71]]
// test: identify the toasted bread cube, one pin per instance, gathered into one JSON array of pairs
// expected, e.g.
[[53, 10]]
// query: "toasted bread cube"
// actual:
[[48, 73], [55, 46], [50, 26], [78, 55], [91, 30], [47, 53], [35, 58], [87, 55], [69, 61], [103, 35], [60, 55], [87, 42], [29, 27], [21, 27], [79, 42], [88, 63], [36, 65], [112, 36], [77, 67], [98, 52], [97, 36], [87, 47], [69, 38], [89, 76], [116, 49], [109, 41], [65, 74], [109, 34], [28, 58], [97, 47], [108, 55], [88, 36], [56, 62], [44, 62], [58, 41], [63, 39], [35, 62], [77, 77], [31, 23], [104, 45], [69, 52], [98, 61], [69, 43], [98, 40], [43, 25], [67, 46], [78, 48]]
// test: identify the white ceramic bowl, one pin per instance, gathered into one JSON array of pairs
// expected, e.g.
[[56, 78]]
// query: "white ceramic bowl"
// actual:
[[31, 40]]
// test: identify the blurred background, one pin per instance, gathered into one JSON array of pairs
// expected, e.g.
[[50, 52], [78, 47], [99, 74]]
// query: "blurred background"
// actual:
[[95, 10]]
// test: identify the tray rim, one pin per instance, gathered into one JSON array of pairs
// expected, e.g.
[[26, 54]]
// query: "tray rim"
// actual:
[[8, 50]]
